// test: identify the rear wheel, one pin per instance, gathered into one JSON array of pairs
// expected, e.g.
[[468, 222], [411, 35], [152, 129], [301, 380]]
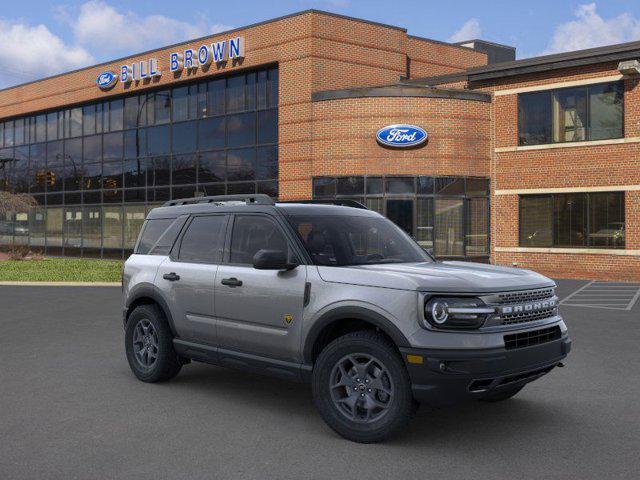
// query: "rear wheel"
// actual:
[[501, 395], [149, 345], [361, 387]]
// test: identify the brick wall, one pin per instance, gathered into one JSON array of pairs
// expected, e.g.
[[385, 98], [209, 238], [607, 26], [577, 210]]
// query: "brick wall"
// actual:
[[429, 58], [564, 167], [344, 137]]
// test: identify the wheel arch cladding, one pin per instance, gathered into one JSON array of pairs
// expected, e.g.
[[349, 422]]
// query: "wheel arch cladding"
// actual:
[[147, 295], [349, 317]]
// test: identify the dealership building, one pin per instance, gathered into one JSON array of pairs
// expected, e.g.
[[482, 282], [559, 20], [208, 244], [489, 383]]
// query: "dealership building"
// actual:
[[480, 157]]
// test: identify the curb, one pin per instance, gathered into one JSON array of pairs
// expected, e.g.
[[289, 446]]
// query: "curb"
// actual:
[[61, 284]]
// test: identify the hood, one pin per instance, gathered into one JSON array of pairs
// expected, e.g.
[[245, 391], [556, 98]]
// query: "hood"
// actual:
[[459, 277]]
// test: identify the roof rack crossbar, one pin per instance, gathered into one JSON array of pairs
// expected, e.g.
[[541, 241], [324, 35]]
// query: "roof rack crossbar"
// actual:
[[258, 199], [340, 202]]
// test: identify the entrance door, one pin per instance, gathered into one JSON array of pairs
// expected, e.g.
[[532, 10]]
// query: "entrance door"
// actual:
[[400, 212]]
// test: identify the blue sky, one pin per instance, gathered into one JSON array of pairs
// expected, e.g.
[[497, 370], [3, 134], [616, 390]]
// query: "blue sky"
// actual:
[[43, 37]]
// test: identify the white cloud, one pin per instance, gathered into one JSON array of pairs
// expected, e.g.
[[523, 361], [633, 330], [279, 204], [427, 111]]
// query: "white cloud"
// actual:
[[591, 30], [107, 31], [469, 31], [98, 32], [29, 52]]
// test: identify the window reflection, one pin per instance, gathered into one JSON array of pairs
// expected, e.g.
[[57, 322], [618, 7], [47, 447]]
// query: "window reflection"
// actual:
[[213, 137]]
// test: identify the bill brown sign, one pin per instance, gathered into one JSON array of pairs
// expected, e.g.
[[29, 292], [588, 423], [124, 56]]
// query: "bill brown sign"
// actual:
[[189, 59]]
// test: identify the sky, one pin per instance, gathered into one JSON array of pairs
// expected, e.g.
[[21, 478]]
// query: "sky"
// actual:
[[39, 38]]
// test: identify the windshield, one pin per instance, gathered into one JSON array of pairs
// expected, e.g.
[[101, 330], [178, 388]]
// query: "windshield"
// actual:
[[340, 240]]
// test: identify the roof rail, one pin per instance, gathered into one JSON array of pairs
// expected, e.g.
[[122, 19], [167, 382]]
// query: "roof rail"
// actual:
[[258, 199], [346, 202]]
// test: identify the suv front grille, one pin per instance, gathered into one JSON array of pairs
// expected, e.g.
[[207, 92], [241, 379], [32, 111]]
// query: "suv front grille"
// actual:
[[515, 318], [534, 337], [526, 295]]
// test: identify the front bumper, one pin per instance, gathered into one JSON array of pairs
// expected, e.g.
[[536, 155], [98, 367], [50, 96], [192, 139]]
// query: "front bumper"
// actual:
[[448, 376]]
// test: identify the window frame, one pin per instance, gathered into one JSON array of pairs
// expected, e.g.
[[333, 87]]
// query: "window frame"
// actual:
[[552, 92], [587, 222], [296, 248], [174, 253]]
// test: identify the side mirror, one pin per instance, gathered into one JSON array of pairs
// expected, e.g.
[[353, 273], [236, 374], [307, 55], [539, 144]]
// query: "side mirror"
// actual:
[[272, 260]]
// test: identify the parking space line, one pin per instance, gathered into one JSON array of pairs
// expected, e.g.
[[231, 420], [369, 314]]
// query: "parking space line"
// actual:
[[598, 294], [634, 300], [576, 292]]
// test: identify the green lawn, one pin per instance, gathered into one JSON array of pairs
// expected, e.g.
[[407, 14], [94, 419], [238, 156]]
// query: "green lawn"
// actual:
[[61, 270]]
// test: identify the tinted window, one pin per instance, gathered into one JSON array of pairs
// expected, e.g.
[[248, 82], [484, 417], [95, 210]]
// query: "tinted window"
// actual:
[[534, 118], [591, 112], [605, 111], [573, 220], [204, 239], [252, 233], [354, 240], [151, 232]]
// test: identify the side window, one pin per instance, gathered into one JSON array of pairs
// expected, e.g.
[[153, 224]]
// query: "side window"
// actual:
[[151, 232], [252, 233], [204, 240]]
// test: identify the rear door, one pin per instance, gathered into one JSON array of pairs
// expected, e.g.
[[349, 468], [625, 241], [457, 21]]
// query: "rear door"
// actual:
[[187, 277], [259, 311]]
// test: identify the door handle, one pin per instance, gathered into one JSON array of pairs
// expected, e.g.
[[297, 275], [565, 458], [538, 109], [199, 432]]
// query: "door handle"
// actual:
[[172, 277], [231, 282]]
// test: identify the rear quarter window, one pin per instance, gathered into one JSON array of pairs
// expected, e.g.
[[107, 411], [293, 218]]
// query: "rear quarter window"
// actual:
[[158, 235]]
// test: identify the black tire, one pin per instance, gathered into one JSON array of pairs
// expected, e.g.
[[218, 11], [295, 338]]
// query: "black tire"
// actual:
[[166, 363], [400, 404], [501, 395]]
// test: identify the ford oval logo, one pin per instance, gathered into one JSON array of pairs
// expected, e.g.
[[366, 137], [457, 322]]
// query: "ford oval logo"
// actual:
[[401, 136], [106, 80]]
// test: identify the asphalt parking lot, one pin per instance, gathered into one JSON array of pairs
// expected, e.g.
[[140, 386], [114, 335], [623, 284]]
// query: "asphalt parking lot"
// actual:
[[71, 409]]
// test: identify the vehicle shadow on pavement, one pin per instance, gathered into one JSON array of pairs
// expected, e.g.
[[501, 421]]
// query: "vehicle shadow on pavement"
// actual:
[[475, 421]]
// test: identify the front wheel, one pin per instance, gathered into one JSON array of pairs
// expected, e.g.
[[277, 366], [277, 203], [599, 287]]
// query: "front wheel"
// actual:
[[361, 387]]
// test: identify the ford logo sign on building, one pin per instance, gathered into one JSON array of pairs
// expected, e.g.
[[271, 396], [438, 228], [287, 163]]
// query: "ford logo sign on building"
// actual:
[[106, 80], [401, 136]]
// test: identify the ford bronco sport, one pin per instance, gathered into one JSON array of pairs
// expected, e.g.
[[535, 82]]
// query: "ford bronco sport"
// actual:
[[338, 296]]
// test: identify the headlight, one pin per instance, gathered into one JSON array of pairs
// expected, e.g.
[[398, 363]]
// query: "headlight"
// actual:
[[455, 313]]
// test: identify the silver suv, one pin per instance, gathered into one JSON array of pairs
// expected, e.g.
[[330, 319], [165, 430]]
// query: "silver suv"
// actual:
[[337, 296]]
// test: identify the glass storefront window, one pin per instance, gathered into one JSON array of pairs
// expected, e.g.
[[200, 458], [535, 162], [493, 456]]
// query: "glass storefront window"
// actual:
[[209, 137], [425, 207], [449, 227], [400, 185], [112, 231], [54, 230], [37, 227], [212, 133], [133, 219], [477, 240], [424, 227]]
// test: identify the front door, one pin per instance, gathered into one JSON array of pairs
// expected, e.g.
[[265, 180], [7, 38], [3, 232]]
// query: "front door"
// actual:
[[400, 212], [259, 311]]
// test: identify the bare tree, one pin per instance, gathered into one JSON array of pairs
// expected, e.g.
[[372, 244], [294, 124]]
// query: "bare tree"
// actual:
[[16, 202]]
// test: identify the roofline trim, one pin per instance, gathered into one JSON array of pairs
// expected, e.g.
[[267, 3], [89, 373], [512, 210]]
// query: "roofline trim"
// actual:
[[496, 44], [551, 86], [400, 90], [440, 42], [225, 32]]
